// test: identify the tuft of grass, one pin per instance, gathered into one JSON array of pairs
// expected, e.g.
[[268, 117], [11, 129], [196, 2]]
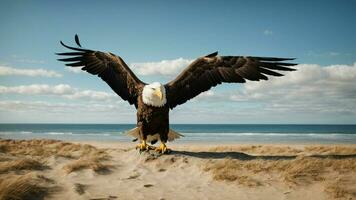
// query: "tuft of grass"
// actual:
[[230, 170], [19, 155], [89, 162], [342, 188], [86, 156], [20, 164], [302, 170], [44, 148], [257, 149], [2, 148], [25, 187], [240, 179], [79, 188], [305, 170], [330, 150]]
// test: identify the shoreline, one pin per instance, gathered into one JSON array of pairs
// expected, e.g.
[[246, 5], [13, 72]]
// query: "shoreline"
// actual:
[[182, 141], [194, 133]]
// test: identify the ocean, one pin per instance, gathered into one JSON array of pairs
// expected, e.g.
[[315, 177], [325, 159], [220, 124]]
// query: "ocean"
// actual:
[[196, 133]]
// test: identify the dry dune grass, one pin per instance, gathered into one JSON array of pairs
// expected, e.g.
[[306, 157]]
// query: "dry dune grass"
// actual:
[[45, 148], [228, 174], [301, 171], [19, 158], [2, 148], [257, 149], [330, 150], [79, 188], [20, 164], [287, 150], [342, 188], [87, 156], [88, 162], [306, 168], [23, 187]]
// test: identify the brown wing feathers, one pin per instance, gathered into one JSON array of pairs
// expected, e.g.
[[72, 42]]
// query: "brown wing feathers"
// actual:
[[211, 70], [111, 68], [203, 74]]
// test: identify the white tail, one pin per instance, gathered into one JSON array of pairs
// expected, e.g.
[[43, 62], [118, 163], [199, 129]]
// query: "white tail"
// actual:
[[134, 133], [172, 135]]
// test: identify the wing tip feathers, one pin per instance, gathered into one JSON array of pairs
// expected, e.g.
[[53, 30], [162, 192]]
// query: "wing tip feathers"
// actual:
[[212, 54], [76, 38]]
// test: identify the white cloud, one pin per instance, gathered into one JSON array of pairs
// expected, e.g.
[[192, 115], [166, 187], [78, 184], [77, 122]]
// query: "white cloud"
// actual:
[[42, 89], [62, 90], [330, 54], [40, 111], [334, 53], [206, 94], [54, 107], [93, 95], [313, 88], [7, 71], [164, 67], [26, 60], [210, 96], [76, 70], [268, 32]]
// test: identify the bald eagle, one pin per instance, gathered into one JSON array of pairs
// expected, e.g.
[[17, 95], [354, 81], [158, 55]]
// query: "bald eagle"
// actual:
[[153, 101]]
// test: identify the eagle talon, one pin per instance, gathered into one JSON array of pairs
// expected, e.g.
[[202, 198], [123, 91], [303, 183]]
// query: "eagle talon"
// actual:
[[162, 149], [143, 146]]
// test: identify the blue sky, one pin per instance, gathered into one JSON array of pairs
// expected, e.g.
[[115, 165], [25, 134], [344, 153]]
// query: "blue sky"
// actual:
[[321, 34]]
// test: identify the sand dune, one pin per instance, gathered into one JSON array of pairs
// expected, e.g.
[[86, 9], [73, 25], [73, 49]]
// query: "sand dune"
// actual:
[[51, 169]]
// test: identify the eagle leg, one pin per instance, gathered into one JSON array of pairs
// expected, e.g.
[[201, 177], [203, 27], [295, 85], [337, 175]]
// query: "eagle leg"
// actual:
[[162, 148], [143, 146]]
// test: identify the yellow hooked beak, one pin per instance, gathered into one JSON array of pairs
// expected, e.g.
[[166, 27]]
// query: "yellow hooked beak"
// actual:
[[158, 93]]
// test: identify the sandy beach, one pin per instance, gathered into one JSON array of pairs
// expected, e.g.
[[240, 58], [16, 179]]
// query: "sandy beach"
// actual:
[[53, 169]]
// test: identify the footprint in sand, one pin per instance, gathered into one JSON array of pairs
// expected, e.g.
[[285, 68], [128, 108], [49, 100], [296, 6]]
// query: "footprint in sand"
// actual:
[[111, 197], [148, 185], [134, 176]]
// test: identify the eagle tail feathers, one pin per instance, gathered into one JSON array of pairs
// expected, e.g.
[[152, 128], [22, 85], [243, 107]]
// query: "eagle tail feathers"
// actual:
[[172, 135], [135, 132]]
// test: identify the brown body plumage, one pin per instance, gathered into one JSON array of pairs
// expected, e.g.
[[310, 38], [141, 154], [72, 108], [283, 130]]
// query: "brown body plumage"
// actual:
[[152, 120], [201, 75]]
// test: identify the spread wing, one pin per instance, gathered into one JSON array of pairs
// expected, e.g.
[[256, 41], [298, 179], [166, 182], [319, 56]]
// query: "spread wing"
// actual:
[[109, 67], [211, 70]]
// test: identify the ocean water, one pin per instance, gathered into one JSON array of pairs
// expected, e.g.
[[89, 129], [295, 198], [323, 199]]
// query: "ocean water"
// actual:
[[197, 133]]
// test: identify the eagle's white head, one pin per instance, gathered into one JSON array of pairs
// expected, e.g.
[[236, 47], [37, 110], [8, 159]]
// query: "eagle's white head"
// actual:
[[154, 94]]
